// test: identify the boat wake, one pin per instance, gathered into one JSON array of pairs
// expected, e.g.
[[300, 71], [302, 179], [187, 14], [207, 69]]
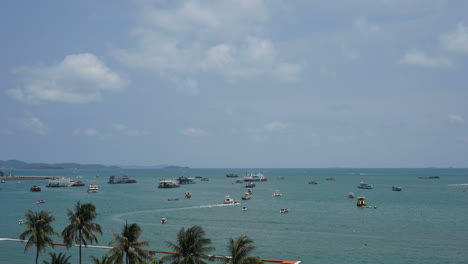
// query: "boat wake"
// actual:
[[118, 217], [458, 184]]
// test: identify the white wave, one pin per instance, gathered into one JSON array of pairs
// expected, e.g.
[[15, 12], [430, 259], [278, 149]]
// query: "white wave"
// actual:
[[458, 184]]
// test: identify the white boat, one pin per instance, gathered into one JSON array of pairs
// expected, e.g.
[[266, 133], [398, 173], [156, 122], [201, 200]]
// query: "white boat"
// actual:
[[188, 195], [60, 182], [246, 196], [228, 200], [276, 194], [351, 195], [250, 177], [396, 188], [20, 222], [284, 210], [163, 220], [93, 188], [364, 185], [40, 201], [164, 184], [3, 181], [244, 208]]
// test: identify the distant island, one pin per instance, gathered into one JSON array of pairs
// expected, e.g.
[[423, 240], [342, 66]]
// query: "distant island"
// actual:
[[17, 164]]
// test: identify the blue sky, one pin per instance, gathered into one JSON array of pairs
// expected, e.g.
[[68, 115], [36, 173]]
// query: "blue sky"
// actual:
[[378, 83]]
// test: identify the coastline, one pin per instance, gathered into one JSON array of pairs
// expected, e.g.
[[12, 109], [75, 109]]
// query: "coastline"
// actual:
[[16, 178]]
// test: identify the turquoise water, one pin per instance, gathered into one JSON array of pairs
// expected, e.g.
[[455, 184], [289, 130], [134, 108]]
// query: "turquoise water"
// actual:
[[424, 223]]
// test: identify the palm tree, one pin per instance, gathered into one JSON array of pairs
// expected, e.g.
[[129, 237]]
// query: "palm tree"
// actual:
[[39, 231], [191, 247], [240, 249], [81, 230], [58, 259], [127, 244], [103, 260]]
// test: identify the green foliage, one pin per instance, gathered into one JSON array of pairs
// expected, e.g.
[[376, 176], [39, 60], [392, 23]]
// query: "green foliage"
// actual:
[[103, 260], [38, 231], [126, 245], [239, 250], [191, 247], [58, 259]]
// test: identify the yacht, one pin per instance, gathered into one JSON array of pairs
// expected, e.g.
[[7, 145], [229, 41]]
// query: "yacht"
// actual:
[[396, 188], [249, 185], [35, 188], [312, 182], [276, 194], [59, 182], [228, 200], [93, 188], [364, 185], [254, 177], [246, 196]]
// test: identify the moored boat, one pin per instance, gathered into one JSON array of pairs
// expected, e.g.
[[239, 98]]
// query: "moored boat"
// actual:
[[188, 195], [165, 184], [93, 188], [396, 188], [59, 182], [250, 177], [249, 185], [284, 210], [364, 185], [276, 194], [77, 184], [173, 199], [232, 175], [120, 179], [361, 202], [163, 220], [312, 182], [35, 188], [246, 196], [244, 208], [185, 180], [351, 195], [40, 201]]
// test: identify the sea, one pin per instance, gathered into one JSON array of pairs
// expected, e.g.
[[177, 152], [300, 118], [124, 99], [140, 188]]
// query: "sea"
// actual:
[[426, 222]]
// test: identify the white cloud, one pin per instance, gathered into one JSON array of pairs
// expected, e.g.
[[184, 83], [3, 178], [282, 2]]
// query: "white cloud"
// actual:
[[214, 37], [79, 78], [194, 132], [457, 40], [35, 125], [361, 25], [456, 119], [419, 58], [275, 126], [124, 130], [91, 132]]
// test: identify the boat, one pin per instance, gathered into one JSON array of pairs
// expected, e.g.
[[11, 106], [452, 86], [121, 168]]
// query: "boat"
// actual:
[[77, 183], [228, 200], [239, 181], [20, 222], [120, 179], [249, 191], [93, 188], [188, 195], [165, 184], [361, 202], [284, 210], [351, 195], [396, 188], [250, 177], [364, 185], [35, 188], [40, 201], [276, 194], [330, 179], [198, 177], [430, 177], [246, 196], [173, 199], [3, 181], [163, 220], [59, 182], [312, 182], [244, 208], [232, 175], [250, 185], [185, 180], [280, 178], [205, 179]]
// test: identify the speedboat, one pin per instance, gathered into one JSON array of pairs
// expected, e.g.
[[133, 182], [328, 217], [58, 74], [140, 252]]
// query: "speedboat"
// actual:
[[364, 185], [35, 188], [93, 188], [244, 208], [284, 210], [228, 200], [40, 201], [246, 196], [188, 195], [163, 220], [276, 194], [396, 188]]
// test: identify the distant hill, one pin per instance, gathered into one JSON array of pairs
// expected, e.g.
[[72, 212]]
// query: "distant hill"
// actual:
[[17, 164]]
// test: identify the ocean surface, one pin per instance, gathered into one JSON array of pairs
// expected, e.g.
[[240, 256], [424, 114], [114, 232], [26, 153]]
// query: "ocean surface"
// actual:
[[427, 222]]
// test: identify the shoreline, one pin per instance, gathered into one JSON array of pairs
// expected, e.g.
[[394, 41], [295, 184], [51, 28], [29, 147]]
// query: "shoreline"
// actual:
[[15, 178]]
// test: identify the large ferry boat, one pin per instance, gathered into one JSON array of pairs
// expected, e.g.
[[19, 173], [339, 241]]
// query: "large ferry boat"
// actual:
[[165, 184], [59, 182], [93, 188], [120, 179], [254, 177]]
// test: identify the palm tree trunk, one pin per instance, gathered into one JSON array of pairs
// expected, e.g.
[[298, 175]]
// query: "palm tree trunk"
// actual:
[[37, 255], [80, 245]]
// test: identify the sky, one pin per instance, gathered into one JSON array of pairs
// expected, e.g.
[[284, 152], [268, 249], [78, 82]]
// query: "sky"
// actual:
[[235, 84]]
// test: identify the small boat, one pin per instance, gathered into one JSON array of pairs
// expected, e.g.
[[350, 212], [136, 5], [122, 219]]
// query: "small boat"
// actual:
[[173, 199], [40, 201], [330, 179], [239, 181], [246, 196], [361, 202], [163, 220], [3, 181], [20, 222], [199, 177], [312, 182], [232, 175], [93, 188], [284, 210], [351, 195], [205, 179], [77, 184], [280, 178], [164, 184], [250, 185], [228, 200], [244, 208], [276, 194], [254, 177], [188, 195], [35, 188], [364, 185], [396, 188], [249, 191]]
